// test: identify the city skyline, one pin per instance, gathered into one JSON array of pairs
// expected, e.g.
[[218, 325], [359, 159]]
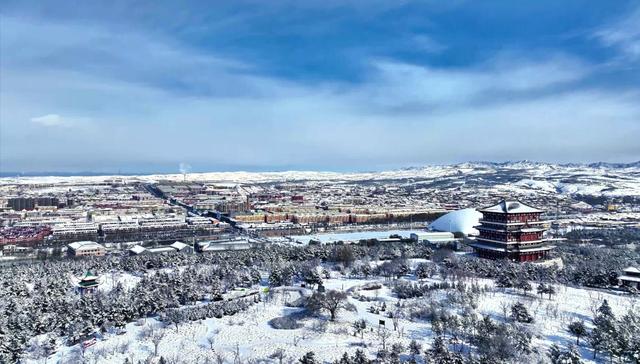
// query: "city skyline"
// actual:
[[337, 86]]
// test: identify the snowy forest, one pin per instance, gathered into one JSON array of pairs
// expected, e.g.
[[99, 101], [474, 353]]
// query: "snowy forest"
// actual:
[[386, 302]]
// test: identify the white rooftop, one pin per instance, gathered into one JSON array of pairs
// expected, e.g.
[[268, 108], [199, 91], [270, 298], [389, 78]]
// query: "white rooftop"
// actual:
[[510, 207], [137, 249], [162, 249], [632, 270], [84, 244], [179, 245], [462, 221]]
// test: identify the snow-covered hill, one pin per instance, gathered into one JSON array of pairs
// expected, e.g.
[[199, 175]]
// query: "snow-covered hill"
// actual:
[[588, 179]]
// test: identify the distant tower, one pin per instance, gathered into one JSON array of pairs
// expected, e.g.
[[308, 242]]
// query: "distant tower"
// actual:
[[511, 230]]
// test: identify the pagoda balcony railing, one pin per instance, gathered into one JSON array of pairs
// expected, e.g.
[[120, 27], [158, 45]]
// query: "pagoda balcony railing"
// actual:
[[509, 228], [517, 248], [514, 223], [511, 242]]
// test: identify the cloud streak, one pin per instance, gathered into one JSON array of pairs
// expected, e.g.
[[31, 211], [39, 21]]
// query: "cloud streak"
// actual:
[[50, 120], [623, 34]]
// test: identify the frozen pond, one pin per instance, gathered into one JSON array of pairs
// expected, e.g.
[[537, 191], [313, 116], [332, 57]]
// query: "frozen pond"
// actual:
[[353, 236]]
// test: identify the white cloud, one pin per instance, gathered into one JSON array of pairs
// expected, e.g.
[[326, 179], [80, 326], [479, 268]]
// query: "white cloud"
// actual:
[[623, 34], [428, 44], [395, 84], [50, 120]]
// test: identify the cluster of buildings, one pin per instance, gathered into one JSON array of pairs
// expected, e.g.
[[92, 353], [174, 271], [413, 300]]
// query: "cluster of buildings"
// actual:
[[37, 216], [336, 215]]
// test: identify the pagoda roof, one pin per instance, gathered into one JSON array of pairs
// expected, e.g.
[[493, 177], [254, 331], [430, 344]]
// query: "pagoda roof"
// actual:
[[511, 207], [88, 276]]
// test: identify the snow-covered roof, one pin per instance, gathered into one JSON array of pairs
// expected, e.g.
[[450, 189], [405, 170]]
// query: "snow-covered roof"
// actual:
[[629, 278], [88, 276], [632, 270], [179, 245], [510, 207], [462, 221], [137, 249], [84, 244], [162, 249]]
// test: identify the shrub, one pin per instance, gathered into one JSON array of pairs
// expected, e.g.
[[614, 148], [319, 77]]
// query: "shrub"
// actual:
[[285, 323]]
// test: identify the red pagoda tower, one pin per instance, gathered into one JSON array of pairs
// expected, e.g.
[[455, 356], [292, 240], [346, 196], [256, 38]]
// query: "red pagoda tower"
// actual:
[[511, 230]]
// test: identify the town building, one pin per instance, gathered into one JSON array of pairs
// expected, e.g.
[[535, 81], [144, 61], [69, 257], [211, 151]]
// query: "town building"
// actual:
[[630, 278], [182, 247], [30, 203], [431, 237], [223, 245], [86, 248], [176, 247], [137, 250], [21, 203], [511, 230]]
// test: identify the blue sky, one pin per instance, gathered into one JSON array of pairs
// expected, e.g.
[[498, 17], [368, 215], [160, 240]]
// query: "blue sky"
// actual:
[[332, 85]]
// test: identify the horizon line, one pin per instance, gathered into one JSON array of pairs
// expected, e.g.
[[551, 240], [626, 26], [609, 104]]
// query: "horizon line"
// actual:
[[54, 173]]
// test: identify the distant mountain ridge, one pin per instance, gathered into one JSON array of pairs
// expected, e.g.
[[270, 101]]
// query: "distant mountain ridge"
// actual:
[[506, 164], [529, 163]]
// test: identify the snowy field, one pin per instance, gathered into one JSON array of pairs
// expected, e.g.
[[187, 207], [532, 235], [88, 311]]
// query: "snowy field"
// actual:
[[248, 335]]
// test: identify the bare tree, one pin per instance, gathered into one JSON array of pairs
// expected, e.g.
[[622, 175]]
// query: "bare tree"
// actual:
[[395, 318], [236, 355], [383, 335], [505, 306], [279, 354], [331, 301], [220, 358], [156, 337]]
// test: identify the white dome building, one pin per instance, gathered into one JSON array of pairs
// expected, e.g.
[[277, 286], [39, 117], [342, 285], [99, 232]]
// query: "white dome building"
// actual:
[[459, 221]]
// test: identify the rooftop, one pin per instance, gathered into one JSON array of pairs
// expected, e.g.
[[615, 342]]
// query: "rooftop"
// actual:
[[179, 245], [632, 270], [84, 244], [511, 207], [137, 249]]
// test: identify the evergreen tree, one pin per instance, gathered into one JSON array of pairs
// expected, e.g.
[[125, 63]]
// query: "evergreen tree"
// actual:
[[541, 289], [558, 356], [414, 348], [578, 330], [519, 313], [359, 357], [309, 358], [628, 328], [603, 337]]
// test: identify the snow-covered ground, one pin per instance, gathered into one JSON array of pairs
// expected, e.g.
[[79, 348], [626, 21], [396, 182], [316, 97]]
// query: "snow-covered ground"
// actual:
[[250, 334]]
